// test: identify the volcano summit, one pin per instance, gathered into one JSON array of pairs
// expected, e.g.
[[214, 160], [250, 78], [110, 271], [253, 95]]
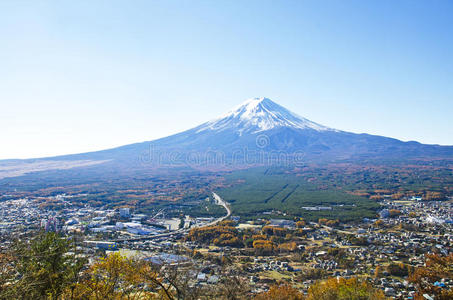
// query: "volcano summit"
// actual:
[[259, 126]]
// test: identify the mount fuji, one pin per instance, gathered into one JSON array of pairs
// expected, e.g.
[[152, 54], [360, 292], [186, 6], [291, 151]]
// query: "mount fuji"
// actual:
[[260, 126], [255, 129], [257, 115]]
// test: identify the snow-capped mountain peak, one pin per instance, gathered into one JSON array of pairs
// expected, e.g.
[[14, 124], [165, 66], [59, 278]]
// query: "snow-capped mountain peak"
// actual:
[[260, 114]]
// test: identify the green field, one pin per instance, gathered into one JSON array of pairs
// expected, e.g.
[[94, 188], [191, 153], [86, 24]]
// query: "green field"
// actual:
[[255, 191]]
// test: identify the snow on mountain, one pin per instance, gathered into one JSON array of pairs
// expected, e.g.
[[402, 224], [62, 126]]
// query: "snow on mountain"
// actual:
[[259, 126], [260, 114]]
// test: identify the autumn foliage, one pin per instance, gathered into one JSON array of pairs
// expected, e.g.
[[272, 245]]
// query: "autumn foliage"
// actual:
[[274, 230], [343, 289], [264, 247], [280, 292], [394, 213], [436, 268], [330, 289], [287, 247], [300, 224], [219, 235], [434, 196], [115, 277]]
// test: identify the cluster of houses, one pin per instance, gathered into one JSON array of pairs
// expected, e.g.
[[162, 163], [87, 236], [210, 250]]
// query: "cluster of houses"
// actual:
[[420, 227], [404, 239]]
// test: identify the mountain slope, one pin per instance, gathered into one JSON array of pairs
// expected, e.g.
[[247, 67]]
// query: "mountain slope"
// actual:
[[257, 115], [257, 132], [261, 125]]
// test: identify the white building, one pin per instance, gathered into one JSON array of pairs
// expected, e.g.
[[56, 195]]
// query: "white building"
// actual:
[[125, 212]]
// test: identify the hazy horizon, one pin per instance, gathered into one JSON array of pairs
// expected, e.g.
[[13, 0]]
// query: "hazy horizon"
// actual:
[[84, 76]]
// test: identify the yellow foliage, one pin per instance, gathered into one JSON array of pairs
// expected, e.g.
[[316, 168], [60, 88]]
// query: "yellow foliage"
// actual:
[[291, 246], [436, 267], [343, 289], [397, 196], [280, 292], [116, 276], [378, 223], [274, 230], [394, 212], [323, 221], [300, 224], [259, 237], [430, 196]]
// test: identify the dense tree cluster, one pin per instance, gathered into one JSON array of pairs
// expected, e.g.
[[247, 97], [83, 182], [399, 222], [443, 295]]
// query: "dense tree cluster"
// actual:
[[220, 235], [274, 230], [434, 196], [436, 268], [343, 289], [300, 224], [330, 289], [48, 266], [327, 222], [42, 267], [394, 269], [281, 292], [394, 213], [264, 247], [268, 241]]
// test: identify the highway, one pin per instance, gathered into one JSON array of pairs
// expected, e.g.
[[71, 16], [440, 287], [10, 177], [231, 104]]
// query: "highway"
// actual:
[[219, 201]]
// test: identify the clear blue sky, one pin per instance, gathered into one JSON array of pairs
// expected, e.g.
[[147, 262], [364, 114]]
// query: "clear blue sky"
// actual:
[[79, 75]]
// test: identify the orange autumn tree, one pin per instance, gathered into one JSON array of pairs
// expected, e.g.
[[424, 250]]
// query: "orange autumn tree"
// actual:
[[222, 234], [394, 213], [434, 196], [300, 224], [288, 247], [436, 268], [263, 247], [274, 230], [280, 292], [323, 221], [343, 289], [333, 223], [118, 277], [112, 277]]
